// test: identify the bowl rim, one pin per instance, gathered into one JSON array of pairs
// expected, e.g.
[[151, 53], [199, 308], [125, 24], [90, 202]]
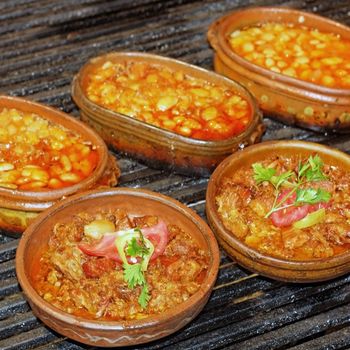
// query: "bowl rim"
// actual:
[[217, 34], [61, 118], [87, 106], [238, 245], [40, 303]]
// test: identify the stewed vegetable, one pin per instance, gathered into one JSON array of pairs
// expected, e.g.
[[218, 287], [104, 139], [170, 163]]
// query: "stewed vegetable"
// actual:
[[290, 207]]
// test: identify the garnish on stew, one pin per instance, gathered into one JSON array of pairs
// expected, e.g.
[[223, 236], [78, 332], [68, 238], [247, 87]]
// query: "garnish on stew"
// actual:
[[140, 249], [110, 266], [297, 195], [289, 206], [130, 247]]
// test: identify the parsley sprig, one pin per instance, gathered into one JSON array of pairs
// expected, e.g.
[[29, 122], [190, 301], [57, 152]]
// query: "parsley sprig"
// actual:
[[139, 248], [310, 171]]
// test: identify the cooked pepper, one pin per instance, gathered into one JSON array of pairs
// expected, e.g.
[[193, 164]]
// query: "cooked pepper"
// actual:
[[311, 219], [125, 239]]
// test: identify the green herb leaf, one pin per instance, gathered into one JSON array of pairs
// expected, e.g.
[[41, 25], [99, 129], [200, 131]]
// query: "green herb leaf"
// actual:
[[314, 172], [133, 275], [135, 249], [144, 296], [134, 244], [312, 196], [302, 168], [262, 173], [310, 171], [282, 179]]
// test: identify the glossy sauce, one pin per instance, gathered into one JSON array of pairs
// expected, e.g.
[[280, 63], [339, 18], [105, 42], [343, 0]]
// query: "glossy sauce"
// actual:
[[296, 51], [169, 99], [36, 154]]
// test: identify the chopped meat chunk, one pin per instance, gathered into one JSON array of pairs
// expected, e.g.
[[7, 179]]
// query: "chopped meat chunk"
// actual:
[[95, 267]]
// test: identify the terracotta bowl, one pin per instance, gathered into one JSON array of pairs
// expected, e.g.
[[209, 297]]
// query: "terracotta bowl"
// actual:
[[276, 268], [135, 202], [153, 145], [287, 99], [18, 207]]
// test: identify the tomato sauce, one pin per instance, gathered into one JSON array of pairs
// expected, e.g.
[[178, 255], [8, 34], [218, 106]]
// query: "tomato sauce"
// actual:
[[39, 155], [169, 99], [297, 51]]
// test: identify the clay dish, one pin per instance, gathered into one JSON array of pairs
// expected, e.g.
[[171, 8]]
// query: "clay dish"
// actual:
[[312, 270], [19, 207], [158, 147], [290, 100], [135, 202]]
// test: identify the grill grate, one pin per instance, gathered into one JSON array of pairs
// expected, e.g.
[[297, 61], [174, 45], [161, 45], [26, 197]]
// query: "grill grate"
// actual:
[[43, 44]]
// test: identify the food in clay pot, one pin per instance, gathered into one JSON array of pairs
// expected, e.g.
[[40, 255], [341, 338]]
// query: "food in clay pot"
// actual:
[[117, 267], [281, 208], [164, 112], [113, 267], [45, 155], [295, 63], [289, 207]]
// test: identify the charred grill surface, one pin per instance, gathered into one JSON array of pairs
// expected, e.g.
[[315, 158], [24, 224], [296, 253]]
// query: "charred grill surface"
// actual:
[[43, 44]]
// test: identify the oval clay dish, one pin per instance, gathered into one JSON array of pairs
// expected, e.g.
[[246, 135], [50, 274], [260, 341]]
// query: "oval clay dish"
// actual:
[[290, 100], [153, 145], [276, 268], [19, 207], [135, 202]]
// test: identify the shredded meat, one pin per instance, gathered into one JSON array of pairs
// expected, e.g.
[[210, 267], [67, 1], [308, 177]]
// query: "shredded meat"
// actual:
[[243, 205], [145, 221], [95, 267], [94, 287], [68, 262]]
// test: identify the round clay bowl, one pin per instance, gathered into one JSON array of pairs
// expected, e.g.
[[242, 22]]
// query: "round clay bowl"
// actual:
[[155, 146], [17, 207], [276, 268], [290, 100], [112, 334]]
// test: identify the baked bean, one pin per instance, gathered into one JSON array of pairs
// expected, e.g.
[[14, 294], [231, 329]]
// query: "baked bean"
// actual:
[[169, 99], [6, 166], [9, 176], [70, 177], [36, 174], [296, 51], [8, 185], [66, 163], [210, 113], [55, 183], [39, 154], [23, 180], [169, 124], [33, 185]]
